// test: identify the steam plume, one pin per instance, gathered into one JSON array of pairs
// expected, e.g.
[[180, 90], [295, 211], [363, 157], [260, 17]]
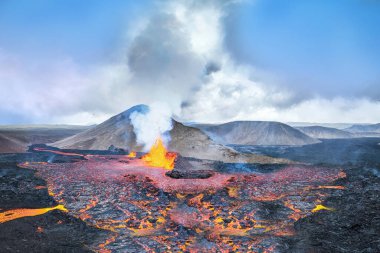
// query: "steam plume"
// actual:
[[153, 124]]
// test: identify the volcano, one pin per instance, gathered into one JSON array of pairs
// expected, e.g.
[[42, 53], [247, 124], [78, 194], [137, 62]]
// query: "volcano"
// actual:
[[186, 140], [256, 133]]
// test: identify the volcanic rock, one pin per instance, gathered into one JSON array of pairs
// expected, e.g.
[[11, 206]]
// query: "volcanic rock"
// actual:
[[190, 174], [116, 150]]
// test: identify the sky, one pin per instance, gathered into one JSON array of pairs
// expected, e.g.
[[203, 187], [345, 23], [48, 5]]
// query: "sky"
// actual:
[[80, 62]]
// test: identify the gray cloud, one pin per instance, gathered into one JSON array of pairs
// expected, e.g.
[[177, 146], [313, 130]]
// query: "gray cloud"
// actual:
[[212, 67], [161, 61]]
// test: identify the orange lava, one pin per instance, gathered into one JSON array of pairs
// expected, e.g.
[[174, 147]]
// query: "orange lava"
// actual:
[[335, 187], [321, 207], [158, 156], [132, 154], [24, 212]]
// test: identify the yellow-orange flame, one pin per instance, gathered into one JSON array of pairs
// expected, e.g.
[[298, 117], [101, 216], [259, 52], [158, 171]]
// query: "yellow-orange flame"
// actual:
[[158, 156], [132, 154]]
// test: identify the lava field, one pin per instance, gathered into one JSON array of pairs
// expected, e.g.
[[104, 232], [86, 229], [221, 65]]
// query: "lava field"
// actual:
[[145, 210], [78, 201]]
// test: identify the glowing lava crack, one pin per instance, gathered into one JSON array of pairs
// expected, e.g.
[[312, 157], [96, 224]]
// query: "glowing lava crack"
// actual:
[[151, 212]]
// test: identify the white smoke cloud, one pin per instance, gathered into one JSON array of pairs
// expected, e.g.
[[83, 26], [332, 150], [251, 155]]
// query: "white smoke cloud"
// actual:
[[175, 56], [148, 126], [224, 89], [231, 91]]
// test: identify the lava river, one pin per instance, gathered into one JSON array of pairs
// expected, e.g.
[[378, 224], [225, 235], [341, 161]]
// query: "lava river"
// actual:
[[147, 211]]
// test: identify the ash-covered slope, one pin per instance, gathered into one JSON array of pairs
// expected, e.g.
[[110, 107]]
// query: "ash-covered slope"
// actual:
[[256, 133], [117, 131], [320, 132], [373, 128], [192, 142], [10, 145], [188, 141]]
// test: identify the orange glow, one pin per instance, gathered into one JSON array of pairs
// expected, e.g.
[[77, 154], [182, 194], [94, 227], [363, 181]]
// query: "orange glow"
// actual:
[[23, 212], [92, 204], [158, 156], [196, 201], [233, 192], [103, 245], [132, 154], [297, 213]]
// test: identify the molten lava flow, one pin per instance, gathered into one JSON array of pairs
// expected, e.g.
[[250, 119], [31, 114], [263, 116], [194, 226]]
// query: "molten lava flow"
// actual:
[[132, 154], [158, 156], [321, 207], [337, 187], [23, 212]]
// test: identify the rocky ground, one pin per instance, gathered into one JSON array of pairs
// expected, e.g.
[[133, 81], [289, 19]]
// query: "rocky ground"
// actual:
[[354, 226]]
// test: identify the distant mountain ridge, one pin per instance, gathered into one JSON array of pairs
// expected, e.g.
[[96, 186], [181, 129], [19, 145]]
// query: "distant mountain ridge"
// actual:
[[256, 133], [359, 128], [16, 139], [320, 132], [339, 126]]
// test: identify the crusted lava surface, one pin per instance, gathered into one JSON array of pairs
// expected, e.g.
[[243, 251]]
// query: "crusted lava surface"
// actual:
[[146, 210], [108, 202]]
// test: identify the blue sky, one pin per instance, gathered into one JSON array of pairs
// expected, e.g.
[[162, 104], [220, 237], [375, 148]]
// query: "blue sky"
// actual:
[[334, 45], [86, 30], [325, 49]]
